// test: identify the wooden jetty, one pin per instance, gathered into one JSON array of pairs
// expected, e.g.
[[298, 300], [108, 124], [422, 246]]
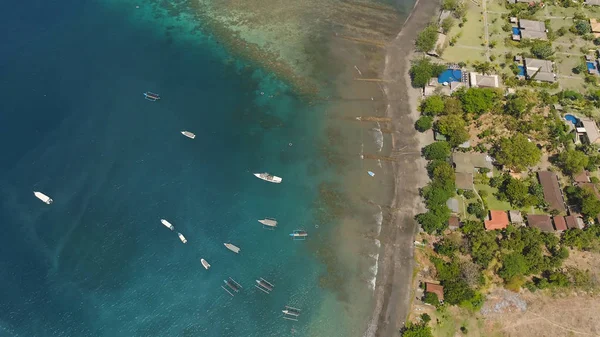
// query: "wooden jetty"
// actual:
[[264, 285]]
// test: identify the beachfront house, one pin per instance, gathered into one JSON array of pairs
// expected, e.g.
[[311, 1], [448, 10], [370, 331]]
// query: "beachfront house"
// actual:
[[587, 131], [592, 2], [552, 193], [496, 220], [435, 289], [466, 165], [582, 177], [573, 221], [560, 223], [539, 70], [478, 80], [541, 222]]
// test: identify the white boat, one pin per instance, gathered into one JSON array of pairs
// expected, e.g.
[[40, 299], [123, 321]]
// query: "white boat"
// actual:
[[188, 134], [269, 222], [167, 224], [205, 264], [46, 199], [182, 238], [232, 248], [267, 177]]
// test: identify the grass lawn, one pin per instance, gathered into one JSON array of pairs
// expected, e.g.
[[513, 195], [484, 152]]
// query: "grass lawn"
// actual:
[[492, 202], [571, 83], [566, 63]]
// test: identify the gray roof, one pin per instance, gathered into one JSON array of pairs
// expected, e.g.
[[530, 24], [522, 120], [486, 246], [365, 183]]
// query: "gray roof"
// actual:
[[467, 162], [592, 2], [543, 222], [533, 65], [479, 80], [452, 205], [515, 217], [464, 181], [532, 25], [591, 130], [544, 76], [533, 35]]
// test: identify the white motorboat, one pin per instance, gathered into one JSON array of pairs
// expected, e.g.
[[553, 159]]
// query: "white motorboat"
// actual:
[[268, 222], [205, 264], [46, 199], [167, 224], [232, 248], [182, 238], [188, 134], [268, 177]]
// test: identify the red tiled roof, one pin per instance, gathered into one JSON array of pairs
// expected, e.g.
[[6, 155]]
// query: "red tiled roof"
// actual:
[[560, 223], [436, 289], [543, 222], [552, 193], [497, 220], [571, 221]]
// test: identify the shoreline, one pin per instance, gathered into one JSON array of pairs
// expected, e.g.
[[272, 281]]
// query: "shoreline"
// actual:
[[393, 291]]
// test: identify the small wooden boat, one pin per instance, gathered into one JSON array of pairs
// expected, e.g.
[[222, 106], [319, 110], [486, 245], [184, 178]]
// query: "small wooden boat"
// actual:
[[182, 238], [264, 285], [269, 223], [205, 264], [232, 248], [291, 313], [151, 96], [188, 134], [167, 224], [299, 234], [232, 285], [268, 177]]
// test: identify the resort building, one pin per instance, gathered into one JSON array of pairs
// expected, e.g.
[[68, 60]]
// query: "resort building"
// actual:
[[530, 29], [587, 131], [552, 193], [478, 80], [516, 218], [540, 70], [573, 222], [466, 165], [496, 220], [541, 222], [453, 223], [559, 223], [436, 289], [583, 177], [592, 2]]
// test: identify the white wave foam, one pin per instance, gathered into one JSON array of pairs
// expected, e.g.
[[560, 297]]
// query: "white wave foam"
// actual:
[[378, 243], [379, 220], [378, 135], [374, 268]]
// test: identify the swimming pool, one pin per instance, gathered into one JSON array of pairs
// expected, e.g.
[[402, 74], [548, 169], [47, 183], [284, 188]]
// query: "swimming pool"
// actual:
[[450, 75], [516, 31], [521, 71], [571, 119], [591, 65]]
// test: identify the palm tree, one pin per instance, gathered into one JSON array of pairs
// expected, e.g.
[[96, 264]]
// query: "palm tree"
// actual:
[[484, 67]]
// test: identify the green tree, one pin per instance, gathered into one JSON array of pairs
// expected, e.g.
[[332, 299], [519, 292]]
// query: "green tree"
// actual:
[[476, 209], [583, 27], [425, 318], [478, 100], [416, 330], [518, 193], [513, 264], [542, 49], [484, 67], [431, 298], [432, 222], [424, 123], [447, 24], [516, 106], [422, 70], [572, 161], [453, 106], [450, 5], [454, 128], [426, 39], [437, 150], [517, 152], [432, 105]]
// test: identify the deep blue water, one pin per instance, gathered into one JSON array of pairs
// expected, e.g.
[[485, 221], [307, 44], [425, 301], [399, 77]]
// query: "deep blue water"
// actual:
[[74, 124]]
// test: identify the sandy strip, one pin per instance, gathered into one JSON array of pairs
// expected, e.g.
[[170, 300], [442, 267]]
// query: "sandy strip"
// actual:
[[392, 296]]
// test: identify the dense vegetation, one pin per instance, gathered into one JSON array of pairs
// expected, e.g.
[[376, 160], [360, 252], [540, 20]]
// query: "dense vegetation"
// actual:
[[422, 70]]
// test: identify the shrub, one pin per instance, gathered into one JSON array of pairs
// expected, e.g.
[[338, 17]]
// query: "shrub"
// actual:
[[424, 123]]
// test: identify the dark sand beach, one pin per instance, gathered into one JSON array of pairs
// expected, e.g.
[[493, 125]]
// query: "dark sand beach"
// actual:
[[393, 289]]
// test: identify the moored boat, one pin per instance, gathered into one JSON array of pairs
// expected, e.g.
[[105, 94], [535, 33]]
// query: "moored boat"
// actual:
[[46, 199], [182, 238], [269, 222], [299, 234], [264, 285], [205, 264], [167, 224], [232, 248], [268, 177], [188, 134], [151, 96]]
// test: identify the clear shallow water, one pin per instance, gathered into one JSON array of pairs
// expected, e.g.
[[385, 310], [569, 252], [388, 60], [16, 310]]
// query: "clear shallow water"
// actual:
[[74, 125]]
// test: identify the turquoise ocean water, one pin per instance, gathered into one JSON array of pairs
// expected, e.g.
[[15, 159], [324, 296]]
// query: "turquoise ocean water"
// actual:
[[74, 125]]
